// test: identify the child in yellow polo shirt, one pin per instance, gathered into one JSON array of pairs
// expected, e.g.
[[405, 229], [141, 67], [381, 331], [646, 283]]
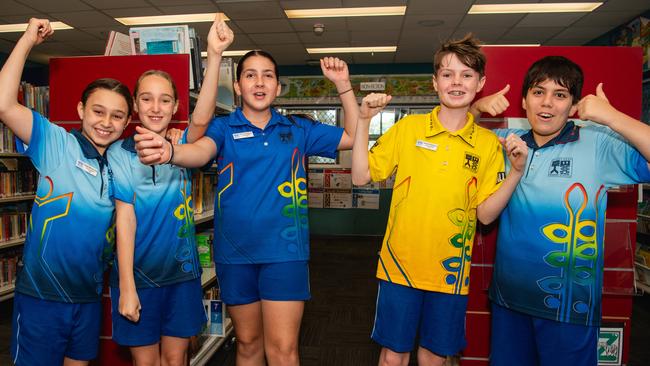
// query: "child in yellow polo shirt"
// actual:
[[449, 172]]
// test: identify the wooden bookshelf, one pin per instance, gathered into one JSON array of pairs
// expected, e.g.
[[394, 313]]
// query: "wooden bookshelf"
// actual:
[[203, 217], [12, 242], [6, 292], [26, 197]]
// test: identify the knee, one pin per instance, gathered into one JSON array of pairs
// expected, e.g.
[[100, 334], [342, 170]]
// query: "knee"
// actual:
[[391, 358], [249, 346], [282, 353], [173, 358]]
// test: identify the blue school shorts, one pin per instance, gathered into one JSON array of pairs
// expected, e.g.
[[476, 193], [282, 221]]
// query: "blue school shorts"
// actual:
[[175, 311], [522, 339], [242, 284], [44, 332], [402, 310]]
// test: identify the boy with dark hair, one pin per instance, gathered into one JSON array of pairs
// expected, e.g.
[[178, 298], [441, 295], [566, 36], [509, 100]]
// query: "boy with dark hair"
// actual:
[[449, 172], [546, 287]]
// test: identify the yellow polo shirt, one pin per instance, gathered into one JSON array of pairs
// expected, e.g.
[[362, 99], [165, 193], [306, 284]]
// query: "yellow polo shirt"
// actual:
[[441, 177]]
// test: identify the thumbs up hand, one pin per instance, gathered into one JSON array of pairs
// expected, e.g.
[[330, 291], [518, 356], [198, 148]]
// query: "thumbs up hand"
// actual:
[[493, 104], [597, 108]]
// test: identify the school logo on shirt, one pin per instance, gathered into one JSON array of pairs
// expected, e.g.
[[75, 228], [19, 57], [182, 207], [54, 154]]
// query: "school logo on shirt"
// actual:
[[286, 137], [471, 162], [561, 167]]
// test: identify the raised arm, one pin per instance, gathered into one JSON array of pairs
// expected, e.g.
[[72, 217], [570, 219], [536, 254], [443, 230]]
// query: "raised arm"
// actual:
[[336, 71], [598, 109], [14, 115], [219, 38], [370, 106], [154, 149], [517, 153], [125, 225]]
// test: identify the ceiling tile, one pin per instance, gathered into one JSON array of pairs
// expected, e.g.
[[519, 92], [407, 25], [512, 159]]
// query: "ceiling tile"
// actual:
[[81, 19], [624, 5], [531, 34], [587, 33], [10, 7], [310, 4], [69, 35], [327, 37], [264, 39], [189, 9], [116, 4], [606, 19], [491, 20], [47, 6], [564, 42], [485, 35], [427, 23], [386, 38], [12, 19], [418, 39], [179, 2], [331, 24], [288, 54], [91, 47], [390, 23], [133, 12], [366, 3], [550, 20], [264, 26], [103, 32], [252, 10]]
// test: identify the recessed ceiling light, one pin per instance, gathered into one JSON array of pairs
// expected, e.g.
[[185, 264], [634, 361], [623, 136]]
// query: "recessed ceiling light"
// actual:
[[534, 8], [170, 19], [346, 12], [353, 49], [228, 53], [21, 27]]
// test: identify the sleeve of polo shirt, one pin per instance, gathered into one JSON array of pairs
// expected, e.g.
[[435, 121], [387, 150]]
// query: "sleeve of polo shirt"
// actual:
[[321, 139], [47, 145], [121, 161], [383, 157], [618, 161], [216, 131], [493, 170]]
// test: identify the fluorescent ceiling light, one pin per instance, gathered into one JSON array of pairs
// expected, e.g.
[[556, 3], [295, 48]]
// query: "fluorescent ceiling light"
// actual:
[[353, 49], [228, 53], [8, 28], [170, 19], [346, 12], [512, 45], [534, 8]]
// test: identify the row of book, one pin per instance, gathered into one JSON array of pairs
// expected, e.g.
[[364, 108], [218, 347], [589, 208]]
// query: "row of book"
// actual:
[[172, 39], [17, 177], [7, 140], [35, 97], [9, 260], [203, 191], [13, 225]]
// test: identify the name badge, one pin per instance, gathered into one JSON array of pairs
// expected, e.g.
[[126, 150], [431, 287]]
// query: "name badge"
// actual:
[[243, 135], [427, 145], [86, 168]]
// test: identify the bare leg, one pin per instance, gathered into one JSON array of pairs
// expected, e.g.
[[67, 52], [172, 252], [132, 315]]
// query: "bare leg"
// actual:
[[247, 320], [148, 355], [428, 358], [281, 328], [392, 358], [173, 351]]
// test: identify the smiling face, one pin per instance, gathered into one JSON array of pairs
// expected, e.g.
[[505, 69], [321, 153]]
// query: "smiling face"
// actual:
[[103, 116], [258, 84], [155, 103], [456, 83], [548, 106]]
